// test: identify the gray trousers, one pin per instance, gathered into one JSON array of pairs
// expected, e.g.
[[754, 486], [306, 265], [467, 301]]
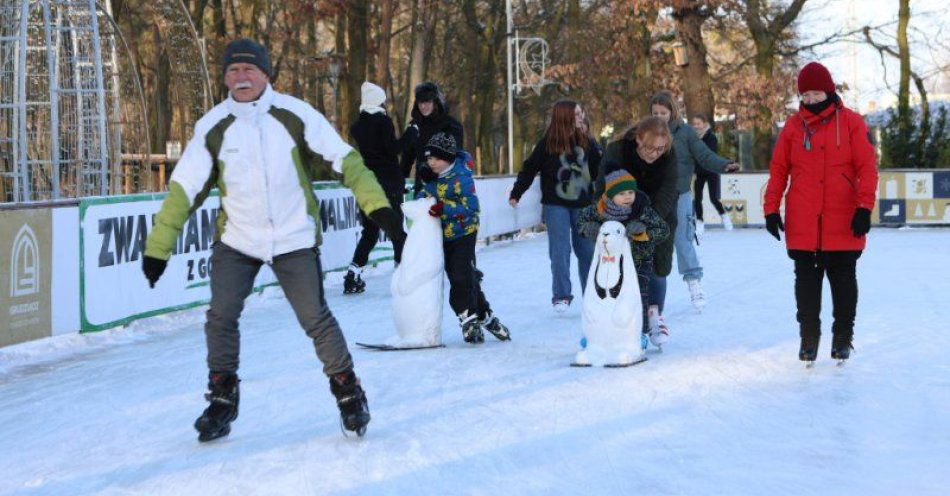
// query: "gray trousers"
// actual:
[[300, 276]]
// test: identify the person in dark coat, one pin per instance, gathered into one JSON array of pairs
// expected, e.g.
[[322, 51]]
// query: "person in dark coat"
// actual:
[[376, 141], [825, 149], [567, 158], [646, 152], [430, 115], [704, 176]]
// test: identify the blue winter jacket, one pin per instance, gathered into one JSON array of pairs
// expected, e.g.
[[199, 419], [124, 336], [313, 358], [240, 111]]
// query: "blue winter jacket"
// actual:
[[456, 191]]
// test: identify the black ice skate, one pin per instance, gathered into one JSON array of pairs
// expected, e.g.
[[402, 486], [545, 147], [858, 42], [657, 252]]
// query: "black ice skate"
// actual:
[[223, 393], [350, 398], [353, 283], [841, 348], [471, 329], [808, 351], [495, 327]]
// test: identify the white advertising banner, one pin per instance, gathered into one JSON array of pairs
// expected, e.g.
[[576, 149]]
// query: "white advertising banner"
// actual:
[[113, 290]]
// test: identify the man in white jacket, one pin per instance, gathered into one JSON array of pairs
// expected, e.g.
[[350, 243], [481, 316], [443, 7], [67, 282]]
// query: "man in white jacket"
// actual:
[[258, 148]]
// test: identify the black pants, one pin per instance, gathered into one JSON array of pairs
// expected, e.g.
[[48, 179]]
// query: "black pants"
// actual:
[[715, 192], [810, 269], [370, 234], [465, 289], [644, 273]]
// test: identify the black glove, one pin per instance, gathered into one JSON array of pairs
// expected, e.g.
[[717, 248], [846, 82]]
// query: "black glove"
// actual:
[[636, 227], [861, 222], [389, 222], [773, 224], [153, 269]]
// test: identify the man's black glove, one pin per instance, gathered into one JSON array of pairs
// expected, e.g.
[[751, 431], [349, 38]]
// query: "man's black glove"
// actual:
[[861, 222], [773, 224], [389, 222], [153, 268]]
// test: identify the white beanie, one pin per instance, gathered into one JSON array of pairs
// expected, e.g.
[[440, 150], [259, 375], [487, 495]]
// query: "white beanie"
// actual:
[[373, 98]]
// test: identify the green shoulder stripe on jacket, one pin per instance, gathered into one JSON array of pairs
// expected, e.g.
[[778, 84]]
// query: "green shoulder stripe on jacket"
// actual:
[[356, 176], [176, 208]]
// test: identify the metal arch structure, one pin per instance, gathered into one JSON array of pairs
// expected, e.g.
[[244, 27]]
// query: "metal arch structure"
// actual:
[[71, 101], [192, 89]]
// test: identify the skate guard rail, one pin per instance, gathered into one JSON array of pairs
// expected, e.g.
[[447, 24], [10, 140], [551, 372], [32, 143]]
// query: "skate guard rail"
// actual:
[[73, 266]]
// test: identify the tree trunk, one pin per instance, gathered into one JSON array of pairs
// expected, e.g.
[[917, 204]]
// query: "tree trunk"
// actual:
[[640, 83], [762, 127], [417, 58], [697, 85], [383, 77], [337, 83], [355, 73], [903, 49], [161, 108]]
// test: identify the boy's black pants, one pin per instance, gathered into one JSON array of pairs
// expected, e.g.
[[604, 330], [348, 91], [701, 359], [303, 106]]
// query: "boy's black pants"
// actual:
[[465, 292], [370, 235], [810, 269]]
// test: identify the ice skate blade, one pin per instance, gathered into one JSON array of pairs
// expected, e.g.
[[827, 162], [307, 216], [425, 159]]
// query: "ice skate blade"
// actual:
[[204, 437], [809, 364], [386, 347], [841, 361]]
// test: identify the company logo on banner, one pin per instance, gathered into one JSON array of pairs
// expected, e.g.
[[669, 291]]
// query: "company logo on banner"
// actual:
[[24, 264], [25, 312]]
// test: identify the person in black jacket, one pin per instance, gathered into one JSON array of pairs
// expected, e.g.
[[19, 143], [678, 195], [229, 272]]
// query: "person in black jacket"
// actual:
[[376, 141], [646, 152], [568, 159], [430, 115], [703, 177]]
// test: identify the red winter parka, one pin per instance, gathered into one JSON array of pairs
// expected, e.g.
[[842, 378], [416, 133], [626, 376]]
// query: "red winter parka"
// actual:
[[833, 171]]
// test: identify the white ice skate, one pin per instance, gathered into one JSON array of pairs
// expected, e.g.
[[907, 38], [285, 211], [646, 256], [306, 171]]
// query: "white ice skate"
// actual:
[[727, 222], [700, 228], [696, 294]]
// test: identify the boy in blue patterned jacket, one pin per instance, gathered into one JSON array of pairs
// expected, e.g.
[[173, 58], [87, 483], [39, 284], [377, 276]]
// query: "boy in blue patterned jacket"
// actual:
[[450, 183]]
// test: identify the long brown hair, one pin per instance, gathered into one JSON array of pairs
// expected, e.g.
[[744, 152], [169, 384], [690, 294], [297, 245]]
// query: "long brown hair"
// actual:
[[665, 98], [562, 134], [652, 127]]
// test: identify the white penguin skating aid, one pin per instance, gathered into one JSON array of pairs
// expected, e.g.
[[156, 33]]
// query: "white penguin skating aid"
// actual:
[[417, 285], [612, 314]]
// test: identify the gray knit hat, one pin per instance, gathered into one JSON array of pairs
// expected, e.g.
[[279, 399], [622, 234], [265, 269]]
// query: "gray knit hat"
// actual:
[[443, 146], [247, 51]]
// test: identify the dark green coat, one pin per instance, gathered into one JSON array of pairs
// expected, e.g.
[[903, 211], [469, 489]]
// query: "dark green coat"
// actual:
[[590, 219], [657, 180]]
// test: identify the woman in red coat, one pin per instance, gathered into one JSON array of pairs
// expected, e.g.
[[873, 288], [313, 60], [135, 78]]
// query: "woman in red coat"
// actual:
[[825, 152]]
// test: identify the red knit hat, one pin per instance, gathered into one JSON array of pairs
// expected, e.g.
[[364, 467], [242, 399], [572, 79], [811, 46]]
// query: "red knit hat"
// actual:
[[815, 77]]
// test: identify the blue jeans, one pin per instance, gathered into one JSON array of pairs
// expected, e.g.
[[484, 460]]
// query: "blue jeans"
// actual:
[[657, 291], [687, 260], [562, 235]]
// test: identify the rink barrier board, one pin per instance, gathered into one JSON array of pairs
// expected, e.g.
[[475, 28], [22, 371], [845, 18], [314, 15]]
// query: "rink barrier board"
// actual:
[[906, 197], [113, 292], [911, 197]]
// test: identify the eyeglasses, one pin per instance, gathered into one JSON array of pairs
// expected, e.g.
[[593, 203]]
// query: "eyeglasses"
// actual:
[[654, 150]]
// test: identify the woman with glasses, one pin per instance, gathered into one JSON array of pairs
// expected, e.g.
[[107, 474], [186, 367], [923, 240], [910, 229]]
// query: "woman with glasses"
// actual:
[[646, 152]]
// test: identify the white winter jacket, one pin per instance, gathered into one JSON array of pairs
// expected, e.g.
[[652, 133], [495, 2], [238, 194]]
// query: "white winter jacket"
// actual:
[[264, 151]]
